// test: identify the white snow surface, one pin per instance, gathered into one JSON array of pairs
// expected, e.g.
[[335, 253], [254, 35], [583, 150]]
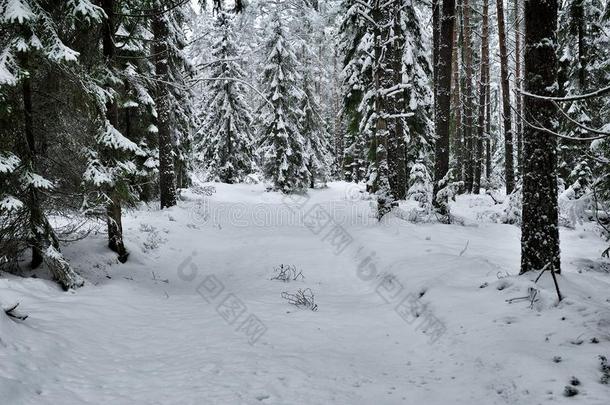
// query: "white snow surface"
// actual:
[[133, 337]]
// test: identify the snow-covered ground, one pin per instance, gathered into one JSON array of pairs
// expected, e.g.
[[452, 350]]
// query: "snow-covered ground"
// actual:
[[407, 313]]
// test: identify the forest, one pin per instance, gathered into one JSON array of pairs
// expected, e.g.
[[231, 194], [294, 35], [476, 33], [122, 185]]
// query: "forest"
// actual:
[[304, 201]]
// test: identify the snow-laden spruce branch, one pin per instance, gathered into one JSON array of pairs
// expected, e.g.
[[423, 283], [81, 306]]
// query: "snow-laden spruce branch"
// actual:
[[205, 65], [257, 91], [554, 133], [579, 124], [152, 12], [196, 80], [593, 94]]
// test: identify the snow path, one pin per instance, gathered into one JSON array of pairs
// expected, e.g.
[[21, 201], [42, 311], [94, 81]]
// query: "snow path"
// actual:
[[127, 338]]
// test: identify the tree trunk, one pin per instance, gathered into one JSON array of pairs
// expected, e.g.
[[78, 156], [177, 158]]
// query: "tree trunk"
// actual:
[[578, 29], [167, 174], [506, 112], [436, 34], [469, 139], [395, 106], [443, 102], [518, 120], [483, 89], [42, 238], [33, 201], [381, 184], [113, 209], [488, 149], [539, 230], [456, 107]]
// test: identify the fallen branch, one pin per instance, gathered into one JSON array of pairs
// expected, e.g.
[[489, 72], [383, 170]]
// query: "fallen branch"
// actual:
[[302, 299], [166, 281], [545, 268], [15, 315]]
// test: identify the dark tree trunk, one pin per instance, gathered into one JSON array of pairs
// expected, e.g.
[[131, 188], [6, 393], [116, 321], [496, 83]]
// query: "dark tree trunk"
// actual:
[[456, 107], [506, 111], [518, 120], [113, 209], [443, 101], [44, 243], [578, 29], [539, 231], [380, 142], [469, 139], [395, 106], [167, 174], [488, 149], [483, 89], [337, 121], [436, 34], [33, 202]]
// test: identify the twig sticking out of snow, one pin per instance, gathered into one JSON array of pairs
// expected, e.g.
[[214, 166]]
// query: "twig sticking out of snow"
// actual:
[[166, 281], [287, 273], [545, 268], [302, 299], [465, 248], [15, 315]]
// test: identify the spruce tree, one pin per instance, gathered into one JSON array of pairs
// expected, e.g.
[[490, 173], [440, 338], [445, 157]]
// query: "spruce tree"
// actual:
[[418, 95], [312, 125], [283, 146], [356, 46], [34, 41], [225, 145]]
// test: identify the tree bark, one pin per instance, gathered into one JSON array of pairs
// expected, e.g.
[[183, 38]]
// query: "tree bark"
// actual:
[[167, 173], [113, 209], [456, 107], [29, 153], [488, 148], [469, 141], [578, 29], [443, 101], [381, 184], [518, 120], [539, 230], [436, 33], [509, 173], [483, 89], [395, 106]]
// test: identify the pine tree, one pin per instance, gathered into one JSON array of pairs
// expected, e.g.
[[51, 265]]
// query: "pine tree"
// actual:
[[387, 177], [356, 46], [442, 104], [518, 79], [163, 54], [539, 230], [468, 102], [283, 147], [225, 147], [483, 90], [509, 170]]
